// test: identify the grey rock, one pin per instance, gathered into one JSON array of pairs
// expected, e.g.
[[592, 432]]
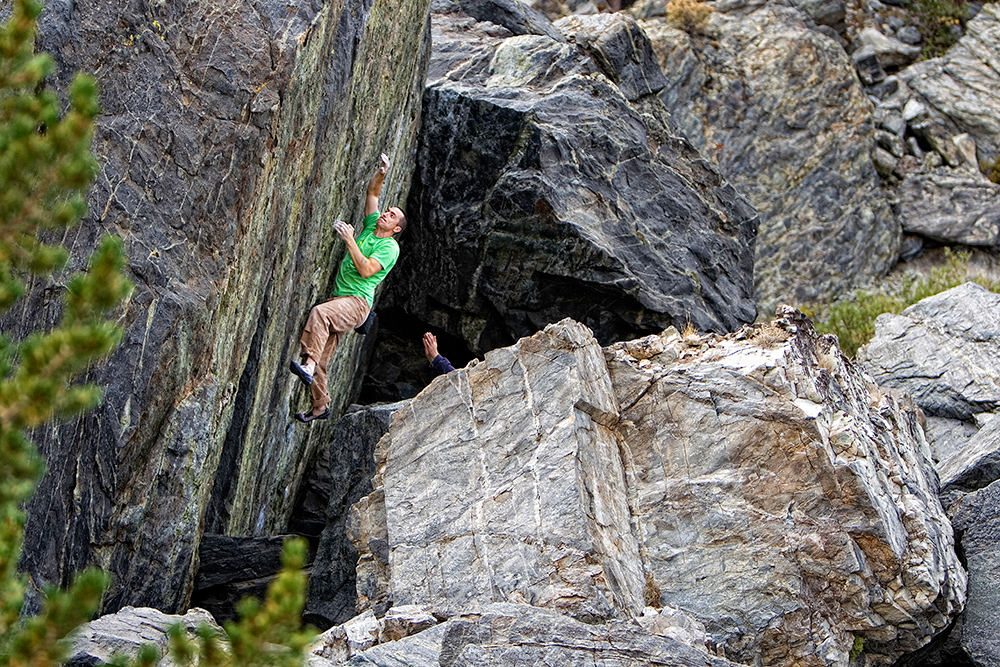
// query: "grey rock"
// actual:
[[830, 13], [951, 206], [937, 135], [942, 351], [233, 568], [778, 107], [127, 631], [517, 634], [621, 50], [884, 161], [341, 476], [232, 135], [869, 66], [911, 248], [962, 87], [890, 142], [891, 53], [767, 533], [909, 35], [884, 89], [518, 17], [914, 149], [977, 520], [758, 482], [542, 191], [891, 121], [977, 464], [948, 437], [502, 481]]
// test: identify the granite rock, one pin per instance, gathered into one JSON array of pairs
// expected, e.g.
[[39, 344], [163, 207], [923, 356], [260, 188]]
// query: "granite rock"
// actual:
[[962, 87], [950, 206], [785, 501], [778, 108], [976, 518], [942, 352], [758, 482], [503, 634], [127, 631]]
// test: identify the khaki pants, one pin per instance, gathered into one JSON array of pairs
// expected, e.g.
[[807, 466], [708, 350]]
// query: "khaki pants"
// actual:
[[326, 324]]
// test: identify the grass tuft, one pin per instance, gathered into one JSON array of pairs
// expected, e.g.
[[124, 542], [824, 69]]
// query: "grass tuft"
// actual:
[[852, 318]]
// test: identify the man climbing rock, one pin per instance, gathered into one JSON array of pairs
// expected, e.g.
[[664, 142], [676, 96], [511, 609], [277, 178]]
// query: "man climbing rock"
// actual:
[[369, 258]]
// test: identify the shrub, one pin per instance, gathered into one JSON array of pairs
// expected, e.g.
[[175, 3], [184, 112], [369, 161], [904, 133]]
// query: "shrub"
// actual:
[[938, 20], [688, 15], [852, 318]]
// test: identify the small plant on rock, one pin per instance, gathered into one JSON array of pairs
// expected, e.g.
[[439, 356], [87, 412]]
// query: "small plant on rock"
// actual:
[[940, 22], [688, 15]]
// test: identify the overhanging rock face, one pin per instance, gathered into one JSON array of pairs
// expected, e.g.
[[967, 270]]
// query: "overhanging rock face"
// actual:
[[232, 135], [756, 481]]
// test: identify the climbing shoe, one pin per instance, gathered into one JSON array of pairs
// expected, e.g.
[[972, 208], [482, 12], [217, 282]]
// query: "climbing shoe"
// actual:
[[306, 417], [303, 374]]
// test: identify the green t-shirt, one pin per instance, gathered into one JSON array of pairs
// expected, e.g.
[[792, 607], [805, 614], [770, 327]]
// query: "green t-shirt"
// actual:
[[383, 250]]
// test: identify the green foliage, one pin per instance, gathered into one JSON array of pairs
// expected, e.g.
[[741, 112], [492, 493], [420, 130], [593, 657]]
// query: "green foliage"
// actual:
[[852, 318], [937, 20], [857, 648], [45, 170]]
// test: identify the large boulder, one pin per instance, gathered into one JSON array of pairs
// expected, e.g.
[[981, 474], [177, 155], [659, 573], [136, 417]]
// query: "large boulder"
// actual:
[[549, 184], [232, 136], [123, 634], [777, 107], [758, 481], [951, 206], [786, 501]]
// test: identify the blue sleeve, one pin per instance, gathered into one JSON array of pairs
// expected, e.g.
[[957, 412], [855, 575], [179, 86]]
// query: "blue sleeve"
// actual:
[[441, 365]]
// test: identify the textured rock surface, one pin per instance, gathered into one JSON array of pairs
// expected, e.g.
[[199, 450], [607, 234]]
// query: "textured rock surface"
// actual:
[[549, 185], [962, 87], [341, 476], [125, 632], [778, 108], [517, 634], [757, 481], [951, 206], [233, 134], [503, 481], [978, 521], [977, 464], [785, 501]]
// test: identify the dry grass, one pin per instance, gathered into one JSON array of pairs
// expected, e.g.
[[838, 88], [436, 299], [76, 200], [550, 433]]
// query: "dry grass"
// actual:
[[688, 15]]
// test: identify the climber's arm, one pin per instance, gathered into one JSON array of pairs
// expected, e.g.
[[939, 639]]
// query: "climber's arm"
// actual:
[[375, 185]]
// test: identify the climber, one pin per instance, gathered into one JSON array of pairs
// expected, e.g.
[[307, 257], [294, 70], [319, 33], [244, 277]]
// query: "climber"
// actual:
[[369, 258], [440, 364]]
